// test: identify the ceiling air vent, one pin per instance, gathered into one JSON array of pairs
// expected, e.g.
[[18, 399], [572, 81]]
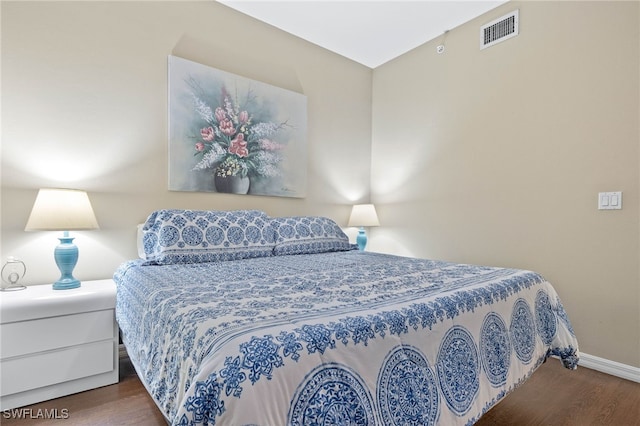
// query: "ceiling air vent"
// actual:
[[499, 30]]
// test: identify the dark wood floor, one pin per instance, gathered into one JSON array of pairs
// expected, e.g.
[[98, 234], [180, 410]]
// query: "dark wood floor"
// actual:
[[553, 396]]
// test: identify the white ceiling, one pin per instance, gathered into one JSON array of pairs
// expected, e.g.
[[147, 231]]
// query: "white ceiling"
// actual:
[[368, 32]]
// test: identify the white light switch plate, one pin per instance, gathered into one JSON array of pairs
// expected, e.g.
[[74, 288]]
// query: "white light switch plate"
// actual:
[[610, 200]]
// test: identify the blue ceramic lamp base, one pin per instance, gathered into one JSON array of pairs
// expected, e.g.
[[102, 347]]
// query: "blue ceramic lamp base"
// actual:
[[66, 256], [361, 239]]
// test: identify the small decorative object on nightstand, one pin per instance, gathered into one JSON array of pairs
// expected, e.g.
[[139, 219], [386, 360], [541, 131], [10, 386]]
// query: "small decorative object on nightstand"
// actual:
[[363, 215], [55, 343], [12, 272], [63, 210]]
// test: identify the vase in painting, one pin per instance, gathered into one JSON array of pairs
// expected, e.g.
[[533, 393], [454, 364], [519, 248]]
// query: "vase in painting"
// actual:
[[232, 184]]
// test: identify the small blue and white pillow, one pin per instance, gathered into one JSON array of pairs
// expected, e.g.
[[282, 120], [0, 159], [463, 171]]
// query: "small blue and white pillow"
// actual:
[[196, 236], [308, 235]]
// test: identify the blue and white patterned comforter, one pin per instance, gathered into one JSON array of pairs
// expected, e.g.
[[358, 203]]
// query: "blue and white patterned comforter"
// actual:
[[336, 338]]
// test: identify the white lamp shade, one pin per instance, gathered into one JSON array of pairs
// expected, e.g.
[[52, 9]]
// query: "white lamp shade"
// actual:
[[363, 215], [61, 210]]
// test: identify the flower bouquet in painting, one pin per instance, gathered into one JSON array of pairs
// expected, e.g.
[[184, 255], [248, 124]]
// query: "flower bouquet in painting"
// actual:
[[233, 135], [236, 146]]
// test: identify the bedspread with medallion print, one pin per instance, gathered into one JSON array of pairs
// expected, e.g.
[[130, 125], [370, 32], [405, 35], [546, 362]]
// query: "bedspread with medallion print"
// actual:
[[348, 337]]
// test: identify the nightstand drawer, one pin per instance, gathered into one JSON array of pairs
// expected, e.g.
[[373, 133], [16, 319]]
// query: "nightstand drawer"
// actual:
[[30, 372], [27, 337]]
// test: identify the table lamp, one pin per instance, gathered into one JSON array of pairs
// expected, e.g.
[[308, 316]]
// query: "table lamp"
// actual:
[[363, 215], [63, 210]]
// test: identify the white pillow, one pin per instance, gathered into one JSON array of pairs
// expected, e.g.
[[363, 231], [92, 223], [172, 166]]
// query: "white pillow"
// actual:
[[139, 241]]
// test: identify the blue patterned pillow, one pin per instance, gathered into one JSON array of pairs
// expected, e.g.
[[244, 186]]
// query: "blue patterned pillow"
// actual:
[[195, 236], [308, 234]]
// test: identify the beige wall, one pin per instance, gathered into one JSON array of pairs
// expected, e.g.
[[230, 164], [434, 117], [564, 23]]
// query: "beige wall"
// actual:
[[497, 156], [84, 105]]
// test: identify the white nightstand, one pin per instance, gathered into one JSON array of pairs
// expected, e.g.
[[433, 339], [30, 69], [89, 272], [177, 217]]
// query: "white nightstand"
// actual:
[[57, 342]]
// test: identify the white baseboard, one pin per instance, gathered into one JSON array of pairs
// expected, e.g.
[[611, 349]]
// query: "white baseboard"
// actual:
[[614, 368]]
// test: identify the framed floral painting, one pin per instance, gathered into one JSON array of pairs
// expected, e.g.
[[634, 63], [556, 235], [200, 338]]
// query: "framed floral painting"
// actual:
[[234, 135]]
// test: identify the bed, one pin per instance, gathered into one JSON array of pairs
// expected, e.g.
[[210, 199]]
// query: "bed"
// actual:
[[237, 318]]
